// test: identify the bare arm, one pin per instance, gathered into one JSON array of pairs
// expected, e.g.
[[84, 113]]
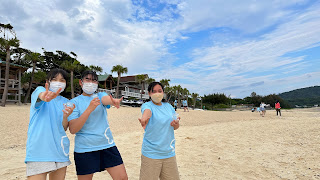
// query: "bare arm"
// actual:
[[47, 95], [108, 100], [66, 113], [145, 118], [76, 124], [175, 124]]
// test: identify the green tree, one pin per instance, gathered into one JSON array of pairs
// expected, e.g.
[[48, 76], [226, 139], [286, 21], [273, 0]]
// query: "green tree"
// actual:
[[96, 68], [185, 93], [194, 98], [170, 92], [178, 91], [150, 80], [71, 66], [19, 55], [215, 99], [119, 70], [32, 58], [165, 82], [141, 78], [7, 44]]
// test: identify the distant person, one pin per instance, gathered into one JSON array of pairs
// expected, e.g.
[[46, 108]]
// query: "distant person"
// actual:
[[175, 105], [259, 111], [263, 109], [185, 105], [277, 106]]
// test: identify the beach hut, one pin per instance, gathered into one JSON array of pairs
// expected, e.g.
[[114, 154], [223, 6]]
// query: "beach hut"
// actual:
[[14, 86], [107, 81]]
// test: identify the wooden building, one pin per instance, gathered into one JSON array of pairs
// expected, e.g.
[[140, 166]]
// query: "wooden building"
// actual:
[[128, 86], [14, 86]]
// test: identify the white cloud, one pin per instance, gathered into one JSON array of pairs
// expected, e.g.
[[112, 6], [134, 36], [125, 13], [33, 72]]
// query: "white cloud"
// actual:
[[248, 16], [107, 33], [218, 67]]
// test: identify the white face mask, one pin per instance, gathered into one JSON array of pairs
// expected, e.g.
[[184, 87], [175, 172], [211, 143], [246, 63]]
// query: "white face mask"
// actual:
[[55, 85], [157, 97], [89, 88]]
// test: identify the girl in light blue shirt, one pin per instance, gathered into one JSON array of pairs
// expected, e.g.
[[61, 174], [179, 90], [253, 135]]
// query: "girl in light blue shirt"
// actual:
[[95, 150], [47, 148], [158, 158]]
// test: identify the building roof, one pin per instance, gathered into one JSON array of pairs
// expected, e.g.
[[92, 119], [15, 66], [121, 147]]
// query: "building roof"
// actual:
[[104, 77], [3, 63], [125, 79]]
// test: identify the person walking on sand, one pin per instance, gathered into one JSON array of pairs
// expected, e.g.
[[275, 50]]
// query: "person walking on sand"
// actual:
[[277, 107], [158, 159], [175, 105], [185, 105], [47, 150], [94, 150], [263, 109]]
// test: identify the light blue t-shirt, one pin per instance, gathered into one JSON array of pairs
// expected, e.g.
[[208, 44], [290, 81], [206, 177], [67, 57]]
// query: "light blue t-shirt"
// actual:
[[158, 140], [175, 102], [95, 134], [185, 103], [47, 140]]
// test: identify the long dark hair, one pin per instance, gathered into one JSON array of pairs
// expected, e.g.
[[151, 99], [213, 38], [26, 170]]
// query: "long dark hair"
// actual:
[[152, 85]]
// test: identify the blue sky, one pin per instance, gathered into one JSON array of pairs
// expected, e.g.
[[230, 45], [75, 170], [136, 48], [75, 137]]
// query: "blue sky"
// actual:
[[206, 46]]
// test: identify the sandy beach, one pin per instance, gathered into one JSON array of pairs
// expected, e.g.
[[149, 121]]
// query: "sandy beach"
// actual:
[[209, 144]]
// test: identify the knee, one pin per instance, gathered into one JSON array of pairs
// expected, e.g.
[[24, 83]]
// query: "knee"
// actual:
[[124, 177]]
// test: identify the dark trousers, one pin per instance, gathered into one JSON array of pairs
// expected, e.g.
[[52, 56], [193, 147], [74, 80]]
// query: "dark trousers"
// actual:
[[278, 110]]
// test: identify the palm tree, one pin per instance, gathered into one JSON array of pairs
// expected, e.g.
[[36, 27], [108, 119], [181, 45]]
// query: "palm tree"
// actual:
[[71, 66], [141, 80], [6, 44], [178, 90], [96, 68], [34, 58], [194, 97], [119, 70], [169, 91], [185, 93], [165, 82], [150, 80]]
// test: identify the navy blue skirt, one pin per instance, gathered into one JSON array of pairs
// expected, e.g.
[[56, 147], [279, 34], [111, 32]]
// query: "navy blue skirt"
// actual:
[[97, 161]]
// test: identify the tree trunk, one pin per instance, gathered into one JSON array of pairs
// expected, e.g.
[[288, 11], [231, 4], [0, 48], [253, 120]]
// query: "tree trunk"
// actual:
[[179, 105], [141, 90], [30, 84], [72, 88], [5, 91], [168, 98], [194, 103], [118, 83]]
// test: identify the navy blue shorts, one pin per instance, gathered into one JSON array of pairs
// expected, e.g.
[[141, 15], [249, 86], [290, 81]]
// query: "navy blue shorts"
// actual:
[[97, 161]]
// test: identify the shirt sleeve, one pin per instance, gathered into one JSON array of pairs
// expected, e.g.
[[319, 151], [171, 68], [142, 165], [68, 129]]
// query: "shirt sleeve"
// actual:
[[76, 112], [34, 97], [145, 106], [171, 108]]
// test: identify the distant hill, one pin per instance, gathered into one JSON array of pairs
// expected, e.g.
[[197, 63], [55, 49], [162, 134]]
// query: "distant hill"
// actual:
[[308, 96]]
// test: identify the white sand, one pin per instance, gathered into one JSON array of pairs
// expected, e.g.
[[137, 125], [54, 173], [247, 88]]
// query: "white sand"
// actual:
[[209, 145]]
